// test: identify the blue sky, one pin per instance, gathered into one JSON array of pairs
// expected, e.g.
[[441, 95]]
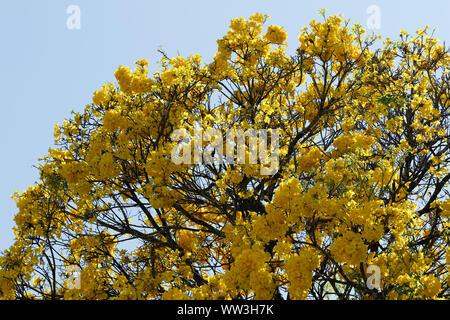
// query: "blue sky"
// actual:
[[47, 70]]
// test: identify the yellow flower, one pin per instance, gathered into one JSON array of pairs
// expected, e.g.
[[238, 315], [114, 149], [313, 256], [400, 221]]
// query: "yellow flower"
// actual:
[[432, 286], [276, 35], [349, 248], [101, 96], [299, 270]]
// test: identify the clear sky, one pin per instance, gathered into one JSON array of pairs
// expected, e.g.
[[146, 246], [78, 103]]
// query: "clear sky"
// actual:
[[47, 69]]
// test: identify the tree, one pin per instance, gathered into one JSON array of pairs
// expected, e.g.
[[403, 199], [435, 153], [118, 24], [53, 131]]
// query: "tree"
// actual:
[[361, 183]]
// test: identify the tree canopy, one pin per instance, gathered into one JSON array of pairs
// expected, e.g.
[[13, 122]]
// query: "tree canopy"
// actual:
[[361, 179]]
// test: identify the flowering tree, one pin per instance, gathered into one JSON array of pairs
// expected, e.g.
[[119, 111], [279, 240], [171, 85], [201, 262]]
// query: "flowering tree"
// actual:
[[358, 207]]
